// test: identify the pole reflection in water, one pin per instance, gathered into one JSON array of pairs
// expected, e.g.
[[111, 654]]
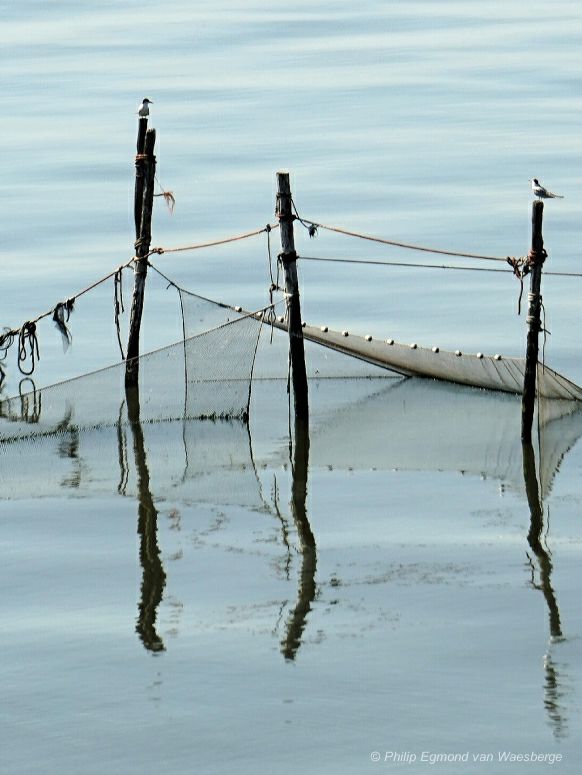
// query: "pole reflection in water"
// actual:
[[552, 689], [154, 577], [306, 589]]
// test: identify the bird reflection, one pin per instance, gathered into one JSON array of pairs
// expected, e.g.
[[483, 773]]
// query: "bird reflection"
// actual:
[[154, 577]]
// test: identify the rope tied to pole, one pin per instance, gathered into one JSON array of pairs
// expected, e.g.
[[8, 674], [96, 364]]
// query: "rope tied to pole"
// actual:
[[310, 227], [200, 245], [521, 268], [287, 258], [535, 257], [139, 243], [270, 257]]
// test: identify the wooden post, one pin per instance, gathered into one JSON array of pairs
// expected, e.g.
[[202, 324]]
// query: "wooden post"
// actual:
[[537, 256], [144, 182], [140, 172], [288, 257]]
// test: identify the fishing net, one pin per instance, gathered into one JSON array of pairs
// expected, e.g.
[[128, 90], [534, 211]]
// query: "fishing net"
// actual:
[[272, 357], [205, 376]]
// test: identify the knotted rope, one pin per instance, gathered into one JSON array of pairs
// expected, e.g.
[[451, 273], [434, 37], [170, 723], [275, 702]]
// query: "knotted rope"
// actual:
[[27, 339]]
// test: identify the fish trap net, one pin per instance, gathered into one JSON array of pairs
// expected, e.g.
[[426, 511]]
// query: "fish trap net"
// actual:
[[208, 375]]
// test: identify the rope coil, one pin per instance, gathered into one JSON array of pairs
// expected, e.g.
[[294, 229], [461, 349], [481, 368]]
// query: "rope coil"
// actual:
[[27, 338], [535, 257], [287, 258]]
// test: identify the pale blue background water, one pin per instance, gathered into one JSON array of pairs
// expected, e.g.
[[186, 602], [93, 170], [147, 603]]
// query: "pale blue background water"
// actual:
[[418, 121]]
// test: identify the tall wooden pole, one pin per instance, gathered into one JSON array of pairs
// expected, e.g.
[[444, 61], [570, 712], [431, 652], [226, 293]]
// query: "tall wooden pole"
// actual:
[[140, 172], [537, 256], [288, 257], [145, 171]]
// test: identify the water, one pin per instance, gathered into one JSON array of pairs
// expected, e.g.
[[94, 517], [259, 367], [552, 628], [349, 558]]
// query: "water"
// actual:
[[416, 121]]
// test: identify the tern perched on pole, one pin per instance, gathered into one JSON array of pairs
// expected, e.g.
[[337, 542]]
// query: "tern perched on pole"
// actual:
[[144, 108], [541, 192]]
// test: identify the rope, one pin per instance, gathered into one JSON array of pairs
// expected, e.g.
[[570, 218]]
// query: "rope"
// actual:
[[200, 245], [308, 225], [27, 333], [520, 267], [6, 340], [118, 305], [244, 314], [274, 286], [169, 197], [404, 264], [269, 256], [434, 266], [27, 336], [405, 245]]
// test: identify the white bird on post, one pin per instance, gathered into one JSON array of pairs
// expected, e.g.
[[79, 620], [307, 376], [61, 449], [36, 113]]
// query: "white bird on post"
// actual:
[[541, 192], [144, 108]]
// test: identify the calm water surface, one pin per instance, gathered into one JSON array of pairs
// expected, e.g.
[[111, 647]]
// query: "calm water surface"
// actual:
[[398, 603]]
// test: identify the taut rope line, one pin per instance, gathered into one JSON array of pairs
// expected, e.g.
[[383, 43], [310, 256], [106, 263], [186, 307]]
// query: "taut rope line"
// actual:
[[406, 245], [201, 245], [427, 266]]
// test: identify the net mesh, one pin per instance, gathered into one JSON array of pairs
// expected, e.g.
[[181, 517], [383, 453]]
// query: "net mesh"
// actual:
[[209, 374], [205, 376]]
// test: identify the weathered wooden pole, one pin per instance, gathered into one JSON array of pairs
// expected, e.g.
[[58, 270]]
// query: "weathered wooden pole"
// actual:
[[145, 164], [288, 258], [140, 169], [537, 256]]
